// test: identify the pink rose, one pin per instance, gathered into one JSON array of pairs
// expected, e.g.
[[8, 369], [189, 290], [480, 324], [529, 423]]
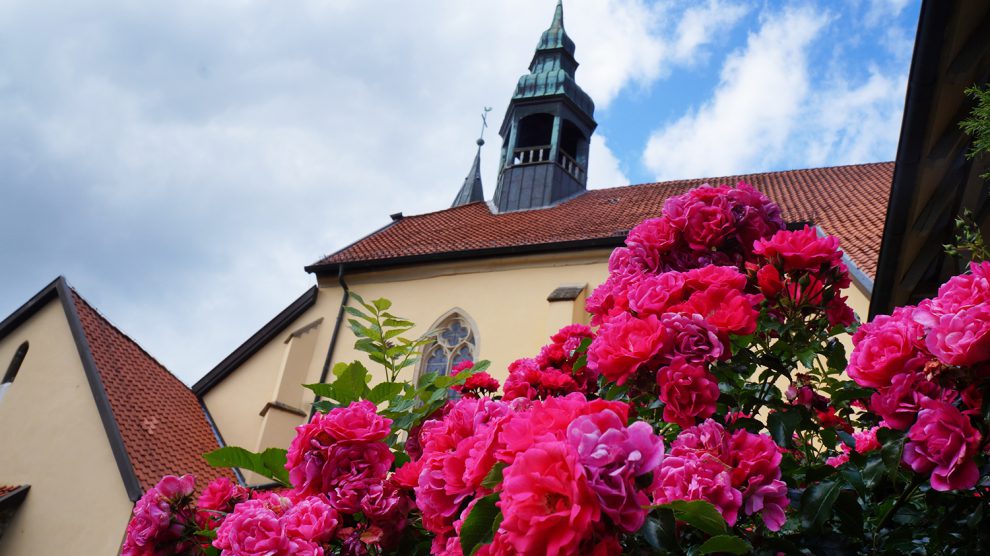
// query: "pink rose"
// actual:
[[694, 338], [625, 345], [885, 347], [654, 294], [222, 495], [695, 478], [252, 530], [944, 443], [311, 519], [728, 310], [548, 506], [800, 250], [961, 338], [706, 226], [900, 402], [689, 392], [613, 456], [358, 422]]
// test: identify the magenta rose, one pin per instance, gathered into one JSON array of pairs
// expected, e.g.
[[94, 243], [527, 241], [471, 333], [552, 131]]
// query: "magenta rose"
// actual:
[[800, 250], [654, 294], [887, 346], [358, 422], [311, 519], [944, 443], [613, 456], [222, 495], [899, 403], [694, 338], [689, 477], [689, 392], [252, 529], [625, 345], [548, 506]]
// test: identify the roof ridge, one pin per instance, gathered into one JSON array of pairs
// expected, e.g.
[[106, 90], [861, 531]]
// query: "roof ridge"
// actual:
[[127, 337], [751, 174]]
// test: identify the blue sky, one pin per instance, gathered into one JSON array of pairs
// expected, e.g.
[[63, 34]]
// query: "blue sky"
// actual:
[[181, 163]]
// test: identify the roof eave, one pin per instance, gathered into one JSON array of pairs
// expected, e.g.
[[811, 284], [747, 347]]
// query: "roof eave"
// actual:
[[450, 256]]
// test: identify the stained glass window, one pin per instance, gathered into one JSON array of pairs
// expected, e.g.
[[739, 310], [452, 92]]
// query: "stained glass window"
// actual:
[[453, 341]]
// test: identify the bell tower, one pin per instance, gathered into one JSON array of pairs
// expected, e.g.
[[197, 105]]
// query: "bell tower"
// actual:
[[547, 128]]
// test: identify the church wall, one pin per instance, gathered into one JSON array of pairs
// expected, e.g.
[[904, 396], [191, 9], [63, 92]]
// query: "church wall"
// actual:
[[506, 298], [52, 438]]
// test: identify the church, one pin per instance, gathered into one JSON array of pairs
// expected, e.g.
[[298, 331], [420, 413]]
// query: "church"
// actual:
[[89, 420], [494, 278]]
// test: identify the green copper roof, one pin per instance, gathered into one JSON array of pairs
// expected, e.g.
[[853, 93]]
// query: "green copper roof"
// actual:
[[556, 36], [551, 73]]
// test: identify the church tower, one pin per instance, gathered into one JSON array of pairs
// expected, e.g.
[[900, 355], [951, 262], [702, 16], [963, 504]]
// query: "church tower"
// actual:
[[547, 128]]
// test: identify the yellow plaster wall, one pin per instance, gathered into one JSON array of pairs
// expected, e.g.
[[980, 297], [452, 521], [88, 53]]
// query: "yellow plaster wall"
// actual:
[[52, 438], [507, 300]]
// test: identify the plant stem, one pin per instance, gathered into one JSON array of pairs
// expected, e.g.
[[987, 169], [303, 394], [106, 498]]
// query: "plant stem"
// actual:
[[889, 514]]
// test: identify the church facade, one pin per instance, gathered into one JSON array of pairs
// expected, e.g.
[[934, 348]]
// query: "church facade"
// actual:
[[493, 279]]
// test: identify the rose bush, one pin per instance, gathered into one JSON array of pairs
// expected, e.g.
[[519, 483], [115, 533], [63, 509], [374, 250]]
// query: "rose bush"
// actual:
[[707, 411]]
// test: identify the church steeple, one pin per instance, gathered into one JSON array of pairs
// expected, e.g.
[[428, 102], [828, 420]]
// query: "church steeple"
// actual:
[[547, 128], [471, 191]]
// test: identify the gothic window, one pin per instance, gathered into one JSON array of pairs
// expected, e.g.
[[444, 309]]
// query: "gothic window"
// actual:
[[452, 341], [15, 365]]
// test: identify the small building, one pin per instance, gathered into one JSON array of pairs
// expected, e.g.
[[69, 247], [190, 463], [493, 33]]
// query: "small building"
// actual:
[[88, 422]]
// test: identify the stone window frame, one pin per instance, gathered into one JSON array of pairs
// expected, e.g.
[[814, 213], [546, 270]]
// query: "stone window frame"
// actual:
[[448, 346]]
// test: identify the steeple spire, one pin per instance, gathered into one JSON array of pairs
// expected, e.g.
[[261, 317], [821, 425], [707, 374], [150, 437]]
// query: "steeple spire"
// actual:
[[472, 191], [547, 128]]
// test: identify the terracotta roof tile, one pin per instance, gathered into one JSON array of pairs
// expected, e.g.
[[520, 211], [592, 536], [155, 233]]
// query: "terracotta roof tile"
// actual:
[[7, 489], [847, 201], [164, 428]]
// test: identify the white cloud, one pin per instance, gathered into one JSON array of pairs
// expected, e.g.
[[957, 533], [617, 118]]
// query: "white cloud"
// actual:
[[752, 112], [701, 24], [180, 164], [879, 11], [604, 169]]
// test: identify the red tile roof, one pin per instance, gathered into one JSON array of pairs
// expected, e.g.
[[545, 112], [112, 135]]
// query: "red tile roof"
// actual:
[[164, 428], [847, 201], [7, 489]]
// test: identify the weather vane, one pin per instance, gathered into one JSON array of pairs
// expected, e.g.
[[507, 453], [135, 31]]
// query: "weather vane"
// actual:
[[484, 124]]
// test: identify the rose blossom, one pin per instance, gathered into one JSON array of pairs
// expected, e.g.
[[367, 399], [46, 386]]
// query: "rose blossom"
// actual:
[[252, 530], [548, 506], [625, 344], [800, 249], [693, 338], [885, 347], [695, 478], [222, 495], [944, 443], [358, 422], [899, 403], [311, 519], [689, 392], [613, 456]]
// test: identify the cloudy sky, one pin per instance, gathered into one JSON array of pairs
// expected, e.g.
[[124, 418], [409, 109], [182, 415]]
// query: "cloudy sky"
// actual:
[[180, 162]]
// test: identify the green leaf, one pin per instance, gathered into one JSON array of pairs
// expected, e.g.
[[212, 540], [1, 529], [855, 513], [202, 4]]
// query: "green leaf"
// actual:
[[494, 477], [352, 384], [698, 514], [385, 391], [817, 502], [725, 543], [382, 304], [781, 425], [274, 460], [479, 526], [649, 533], [321, 390], [265, 464], [892, 442]]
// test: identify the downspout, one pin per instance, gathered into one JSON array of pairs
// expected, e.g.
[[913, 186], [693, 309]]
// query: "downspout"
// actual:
[[336, 331]]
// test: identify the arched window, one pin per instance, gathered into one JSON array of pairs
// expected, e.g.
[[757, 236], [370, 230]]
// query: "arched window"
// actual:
[[15, 363], [452, 340]]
